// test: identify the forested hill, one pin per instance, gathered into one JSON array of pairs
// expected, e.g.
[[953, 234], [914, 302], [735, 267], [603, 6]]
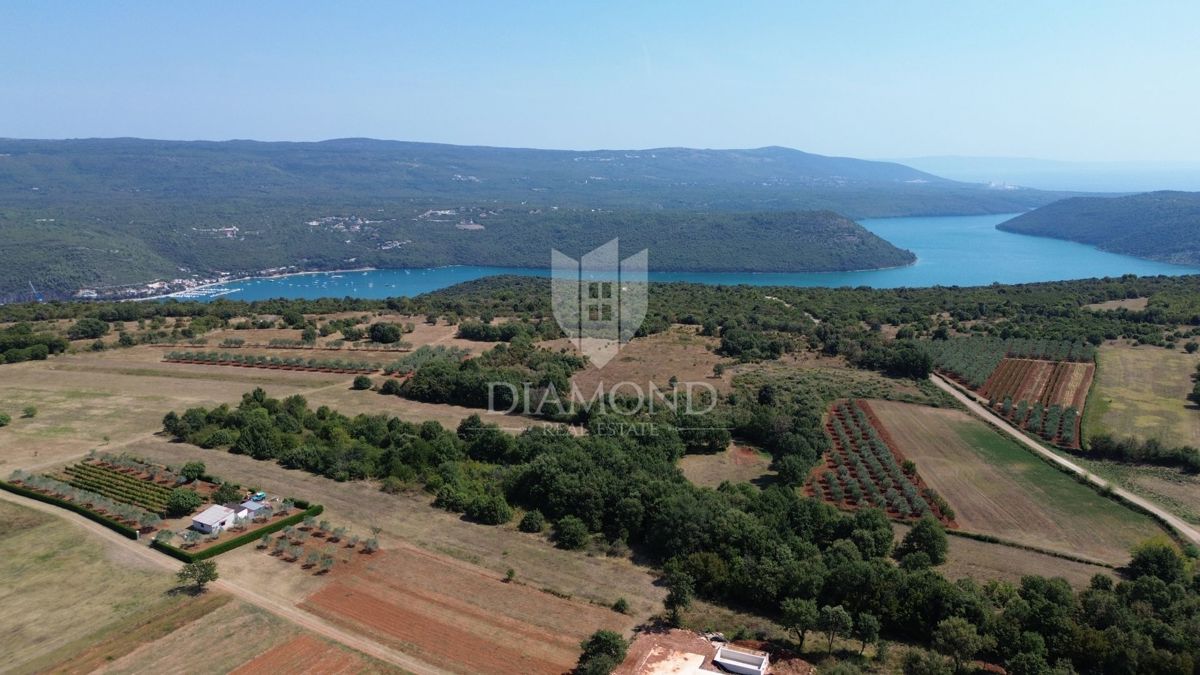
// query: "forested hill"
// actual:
[[348, 170], [104, 213], [1157, 225]]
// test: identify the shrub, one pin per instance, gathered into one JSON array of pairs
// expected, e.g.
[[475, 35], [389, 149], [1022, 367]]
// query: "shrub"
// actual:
[[192, 470], [602, 653], [570, 533], [489, 509], [391, 388], [4, 420], [30, 412], [533, 521], [621, 606], [392, 485], [87, 329], [362, 382]]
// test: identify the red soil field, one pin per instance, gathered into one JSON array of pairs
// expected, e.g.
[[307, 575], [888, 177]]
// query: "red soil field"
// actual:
[[302, 655], [1062, 383], [458, 616]]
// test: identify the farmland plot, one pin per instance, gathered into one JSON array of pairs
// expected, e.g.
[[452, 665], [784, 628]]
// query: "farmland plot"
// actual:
[[456, 616], [999, 488], [866, 468]]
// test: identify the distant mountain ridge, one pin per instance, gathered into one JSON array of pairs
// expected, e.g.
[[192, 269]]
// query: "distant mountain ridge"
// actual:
[[96, 213], [765, 178], [1162, 226]]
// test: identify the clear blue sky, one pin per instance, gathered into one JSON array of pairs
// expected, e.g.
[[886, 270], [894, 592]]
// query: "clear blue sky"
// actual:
[[1063, 80]]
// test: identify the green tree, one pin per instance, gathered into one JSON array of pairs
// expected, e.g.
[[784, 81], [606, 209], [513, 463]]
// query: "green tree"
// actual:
[[198, 573], [800, 616], [1157, 559], [362, 383], [927, 537], [681, 588], [259, 438], [835, 621], [182, 502], [957, 638], [866, 630]]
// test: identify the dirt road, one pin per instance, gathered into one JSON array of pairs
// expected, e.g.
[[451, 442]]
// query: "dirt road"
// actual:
[[1182, 528], [285, 611]]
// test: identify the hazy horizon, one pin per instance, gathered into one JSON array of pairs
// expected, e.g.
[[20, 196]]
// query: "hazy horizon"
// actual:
[[867, 79]]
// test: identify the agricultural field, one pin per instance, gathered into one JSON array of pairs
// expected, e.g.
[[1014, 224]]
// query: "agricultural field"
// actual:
[[454, 616], [1044, 397], [245, 360], [1143, 392], [1174, 490], [866, 468], [1040, 385], [308, 655], [983, 561], [422, 333], [1000, 489], [76, 587]]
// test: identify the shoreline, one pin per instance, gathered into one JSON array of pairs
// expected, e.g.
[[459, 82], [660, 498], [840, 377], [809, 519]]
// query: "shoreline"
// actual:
[[175, 294]]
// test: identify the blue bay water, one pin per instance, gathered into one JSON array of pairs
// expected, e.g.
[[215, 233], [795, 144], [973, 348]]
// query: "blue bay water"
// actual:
[[950, 250]]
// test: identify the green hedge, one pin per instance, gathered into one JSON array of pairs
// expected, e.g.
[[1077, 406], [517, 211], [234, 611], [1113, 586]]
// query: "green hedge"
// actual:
[[242, 540], [119, 528]]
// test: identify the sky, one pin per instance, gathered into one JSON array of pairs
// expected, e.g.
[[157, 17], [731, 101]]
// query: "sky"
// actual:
[[1079, 81]]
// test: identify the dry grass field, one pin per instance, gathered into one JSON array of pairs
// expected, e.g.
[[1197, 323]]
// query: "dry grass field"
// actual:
[[1128, 303], [1142, 392], [982, 561], [457, 616], [62, 591], [680, 352], [738, 463], [998, 488]]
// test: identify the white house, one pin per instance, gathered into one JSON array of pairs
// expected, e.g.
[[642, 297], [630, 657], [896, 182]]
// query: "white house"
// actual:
[[213, 519]]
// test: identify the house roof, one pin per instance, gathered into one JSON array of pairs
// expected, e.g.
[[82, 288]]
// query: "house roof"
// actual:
[[212, 515], [251, 505]]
